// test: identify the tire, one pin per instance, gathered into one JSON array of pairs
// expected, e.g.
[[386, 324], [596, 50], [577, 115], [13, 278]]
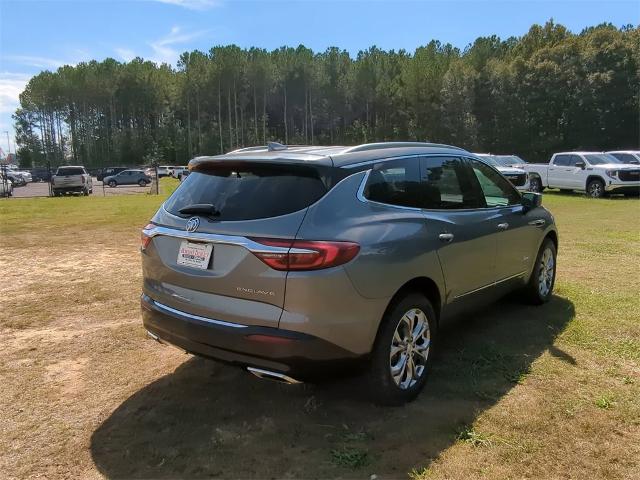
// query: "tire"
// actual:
[[112, 183], [394, 335], [595, 188], [539, 290], [535, 185], [142, 183]]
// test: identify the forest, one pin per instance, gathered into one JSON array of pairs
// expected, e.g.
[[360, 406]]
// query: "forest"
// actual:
[[546, 91]]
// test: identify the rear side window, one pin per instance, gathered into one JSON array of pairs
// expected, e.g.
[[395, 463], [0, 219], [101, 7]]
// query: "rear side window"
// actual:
[[395, 183], [70, 171], [447, 185], [249, 192], [562, 160]]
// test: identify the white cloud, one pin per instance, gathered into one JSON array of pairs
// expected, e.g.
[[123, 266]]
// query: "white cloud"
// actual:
[[193, 4], [32, 61], [163, 50], [11, 86], [126, 54]]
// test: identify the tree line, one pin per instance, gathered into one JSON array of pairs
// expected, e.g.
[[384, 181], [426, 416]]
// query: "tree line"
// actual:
[[546, 91]]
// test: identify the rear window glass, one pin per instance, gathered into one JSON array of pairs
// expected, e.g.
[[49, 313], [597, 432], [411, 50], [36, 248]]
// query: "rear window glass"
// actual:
[[249, 192], [70, 171]]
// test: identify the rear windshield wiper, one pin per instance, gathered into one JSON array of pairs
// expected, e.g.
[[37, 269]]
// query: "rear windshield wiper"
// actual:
[[202, 208]]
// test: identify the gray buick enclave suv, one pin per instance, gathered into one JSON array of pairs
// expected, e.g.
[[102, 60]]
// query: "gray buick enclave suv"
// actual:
[[295, 262]]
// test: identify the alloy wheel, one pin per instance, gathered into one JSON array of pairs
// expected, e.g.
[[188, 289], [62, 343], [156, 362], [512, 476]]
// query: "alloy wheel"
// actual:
[[410, 348], [547, 271], [595, 189], [534, 185]]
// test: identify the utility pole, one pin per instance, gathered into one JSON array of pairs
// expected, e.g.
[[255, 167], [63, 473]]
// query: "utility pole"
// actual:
[[8, 143]]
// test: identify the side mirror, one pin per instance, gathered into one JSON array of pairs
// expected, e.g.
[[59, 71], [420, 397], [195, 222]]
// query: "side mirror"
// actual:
[[580, 164], [531, 200]]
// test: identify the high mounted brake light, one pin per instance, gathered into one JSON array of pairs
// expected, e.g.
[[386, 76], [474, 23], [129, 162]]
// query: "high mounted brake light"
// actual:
[[299, 255]]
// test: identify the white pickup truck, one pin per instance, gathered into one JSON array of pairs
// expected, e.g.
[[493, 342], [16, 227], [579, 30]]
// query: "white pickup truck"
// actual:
[[595, 173], [71, 179]]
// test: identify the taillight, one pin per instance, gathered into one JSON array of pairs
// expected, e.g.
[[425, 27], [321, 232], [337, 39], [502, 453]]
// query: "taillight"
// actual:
[[305, 254], [144, 238]]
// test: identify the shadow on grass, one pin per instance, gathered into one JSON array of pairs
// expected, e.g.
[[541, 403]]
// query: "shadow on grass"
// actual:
[[207, 420]]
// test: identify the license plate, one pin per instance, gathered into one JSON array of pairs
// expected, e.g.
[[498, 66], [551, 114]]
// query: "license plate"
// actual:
[[195, 255]]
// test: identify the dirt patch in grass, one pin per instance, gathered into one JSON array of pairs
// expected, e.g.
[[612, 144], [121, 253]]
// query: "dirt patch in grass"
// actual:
[[517, 392]]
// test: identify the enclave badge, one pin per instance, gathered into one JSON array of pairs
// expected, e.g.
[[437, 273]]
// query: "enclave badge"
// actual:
[[193, 224]]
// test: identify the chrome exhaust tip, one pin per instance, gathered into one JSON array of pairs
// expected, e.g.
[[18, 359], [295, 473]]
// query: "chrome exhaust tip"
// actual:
[[153, 336], [269, 375]]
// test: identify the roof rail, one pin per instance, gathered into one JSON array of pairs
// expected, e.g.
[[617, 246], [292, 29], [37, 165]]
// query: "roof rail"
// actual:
[[270, 147], [248, 149], [376, 146], [275, 146]]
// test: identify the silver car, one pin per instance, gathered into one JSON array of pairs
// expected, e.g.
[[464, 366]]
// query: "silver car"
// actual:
[[128, 177], [298, 262]]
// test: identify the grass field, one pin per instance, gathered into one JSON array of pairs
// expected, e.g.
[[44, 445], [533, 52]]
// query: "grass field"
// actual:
[[517, 392]]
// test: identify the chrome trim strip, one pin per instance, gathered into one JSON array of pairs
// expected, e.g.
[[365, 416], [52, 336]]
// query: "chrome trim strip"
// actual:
[[216, 238], [360, 196], [493, 284], [196, 317]]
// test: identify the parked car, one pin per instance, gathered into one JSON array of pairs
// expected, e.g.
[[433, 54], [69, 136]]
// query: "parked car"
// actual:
[[595, 173], [109, 172], [6, 186], [176, 172], [71, 179], [25, 175], [505, 164], [183, 175], [128, 177], [17, 179], [164, 171], [41, 174], [627, 156], [376, 246]]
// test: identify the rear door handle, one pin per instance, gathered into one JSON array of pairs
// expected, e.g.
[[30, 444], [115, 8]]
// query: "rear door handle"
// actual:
[[503, 226], [446, 237]]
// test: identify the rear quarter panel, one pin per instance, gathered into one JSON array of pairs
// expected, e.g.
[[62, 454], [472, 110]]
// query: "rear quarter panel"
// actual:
[[393, 251]]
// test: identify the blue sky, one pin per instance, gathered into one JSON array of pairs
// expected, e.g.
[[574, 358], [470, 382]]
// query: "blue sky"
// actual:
[[44, 34]]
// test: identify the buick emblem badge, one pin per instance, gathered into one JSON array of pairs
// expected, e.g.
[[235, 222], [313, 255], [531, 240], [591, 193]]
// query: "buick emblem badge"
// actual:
[[193, 224]]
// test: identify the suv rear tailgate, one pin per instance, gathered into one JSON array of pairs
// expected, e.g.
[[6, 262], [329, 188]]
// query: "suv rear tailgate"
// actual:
[[236, 286]]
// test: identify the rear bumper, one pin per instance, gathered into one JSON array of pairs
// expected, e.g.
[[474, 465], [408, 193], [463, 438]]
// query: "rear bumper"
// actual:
[[75, 188], [295, 354]]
